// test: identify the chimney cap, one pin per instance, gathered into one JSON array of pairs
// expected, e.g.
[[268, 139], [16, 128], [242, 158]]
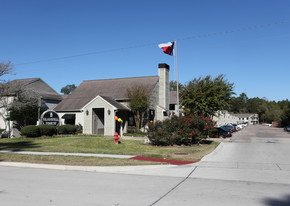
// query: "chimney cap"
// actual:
[[163, 65]]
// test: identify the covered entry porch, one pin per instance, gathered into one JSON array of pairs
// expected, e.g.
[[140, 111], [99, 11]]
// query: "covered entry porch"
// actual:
[[99, 116]]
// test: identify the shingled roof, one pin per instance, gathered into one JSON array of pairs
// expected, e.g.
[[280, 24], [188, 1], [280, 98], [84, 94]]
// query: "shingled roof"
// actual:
[[115, 89], [244, 115], [22, 84]]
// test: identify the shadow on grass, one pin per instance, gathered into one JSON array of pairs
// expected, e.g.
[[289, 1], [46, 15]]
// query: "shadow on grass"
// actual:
[[17, 146], [278, 202]]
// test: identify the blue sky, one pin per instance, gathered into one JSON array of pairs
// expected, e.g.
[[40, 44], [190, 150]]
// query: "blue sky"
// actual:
[[121, 39]]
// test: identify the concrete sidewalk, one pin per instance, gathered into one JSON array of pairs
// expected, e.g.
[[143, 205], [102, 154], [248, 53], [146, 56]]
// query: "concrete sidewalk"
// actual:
[[70, 154]]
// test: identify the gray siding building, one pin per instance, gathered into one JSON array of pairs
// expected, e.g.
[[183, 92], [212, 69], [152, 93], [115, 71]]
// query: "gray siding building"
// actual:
[[95, 103]]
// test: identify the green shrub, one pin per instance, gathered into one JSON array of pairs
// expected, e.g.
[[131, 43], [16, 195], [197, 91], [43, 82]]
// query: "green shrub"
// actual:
[[47, 130], [161, 134], [213, 133], [67, 129], [30, 131], [185, 130], [79, 129]]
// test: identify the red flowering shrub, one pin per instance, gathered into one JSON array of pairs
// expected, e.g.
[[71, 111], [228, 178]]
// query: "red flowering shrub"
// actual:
[[185, 130], [159, 134]]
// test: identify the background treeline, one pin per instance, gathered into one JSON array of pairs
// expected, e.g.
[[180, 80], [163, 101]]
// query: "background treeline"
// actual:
[[204, 96], [269, 111]]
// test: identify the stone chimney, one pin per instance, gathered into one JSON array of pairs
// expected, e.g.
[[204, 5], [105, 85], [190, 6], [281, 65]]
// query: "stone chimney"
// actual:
[[163, 73]]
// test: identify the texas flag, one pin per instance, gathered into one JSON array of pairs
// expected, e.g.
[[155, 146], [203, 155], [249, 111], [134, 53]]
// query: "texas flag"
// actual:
[[167, 48]]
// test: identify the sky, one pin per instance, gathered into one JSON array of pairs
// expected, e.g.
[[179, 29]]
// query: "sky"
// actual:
[[68, 41]]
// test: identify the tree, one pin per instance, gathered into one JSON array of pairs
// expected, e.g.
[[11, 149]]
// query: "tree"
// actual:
[[205, 96], [5, 100], [68, 89], [5, 68], [173, 86], [24, 109], [285, 116], [238, 104], [26, 114], [139, 102], [253, 105]]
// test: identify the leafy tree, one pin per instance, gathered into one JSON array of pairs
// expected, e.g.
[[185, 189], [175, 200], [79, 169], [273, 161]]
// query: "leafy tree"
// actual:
[[285, 115], [274, 111], [68, 89], [24, 110], [139, 102], [5, 101], [173, 86], [253, 105], [284, 104], [205, 96], [23, 116], [268, 111], [238, 104]]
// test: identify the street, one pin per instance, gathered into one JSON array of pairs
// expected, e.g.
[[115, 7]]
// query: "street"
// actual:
[[253, 169]]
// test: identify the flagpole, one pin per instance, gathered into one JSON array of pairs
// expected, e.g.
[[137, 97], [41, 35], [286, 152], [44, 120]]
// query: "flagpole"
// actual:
[[177, 84]]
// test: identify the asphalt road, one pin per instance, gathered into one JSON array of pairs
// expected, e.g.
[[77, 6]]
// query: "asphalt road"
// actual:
[[253, 169]]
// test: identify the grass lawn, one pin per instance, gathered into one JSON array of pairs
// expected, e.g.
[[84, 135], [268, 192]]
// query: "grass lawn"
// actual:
[[97, 145]]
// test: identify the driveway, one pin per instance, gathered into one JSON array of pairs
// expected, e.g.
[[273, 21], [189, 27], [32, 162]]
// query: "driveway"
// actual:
[[258, 154], [252, 170]]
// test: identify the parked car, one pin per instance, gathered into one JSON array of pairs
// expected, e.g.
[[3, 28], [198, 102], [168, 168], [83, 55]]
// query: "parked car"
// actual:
[[228, 127], [224, 133], [287, 128], [267, 124], [245, 124], [240, 126], [236, 127]]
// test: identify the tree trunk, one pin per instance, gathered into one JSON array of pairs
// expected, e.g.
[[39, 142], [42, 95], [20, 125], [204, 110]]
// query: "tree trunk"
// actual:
[[137, 120], [141, 119]]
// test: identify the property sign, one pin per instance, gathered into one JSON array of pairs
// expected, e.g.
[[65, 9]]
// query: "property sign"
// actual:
[[50, 118]]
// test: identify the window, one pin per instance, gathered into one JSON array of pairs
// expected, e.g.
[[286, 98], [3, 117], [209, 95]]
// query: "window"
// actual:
[[131, 121], [171, 106], [151, 114]]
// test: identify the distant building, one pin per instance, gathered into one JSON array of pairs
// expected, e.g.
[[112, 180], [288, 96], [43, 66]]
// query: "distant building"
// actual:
[[248, 118], [95, 103], [224, 117]]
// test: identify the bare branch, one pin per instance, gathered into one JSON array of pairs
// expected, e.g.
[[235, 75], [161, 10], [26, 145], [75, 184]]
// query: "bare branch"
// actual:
[[5, 68]]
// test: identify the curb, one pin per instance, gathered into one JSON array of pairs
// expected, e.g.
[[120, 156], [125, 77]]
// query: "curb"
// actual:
[[111, 169]]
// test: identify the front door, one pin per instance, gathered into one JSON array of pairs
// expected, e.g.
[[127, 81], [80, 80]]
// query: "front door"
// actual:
[[98, 121]]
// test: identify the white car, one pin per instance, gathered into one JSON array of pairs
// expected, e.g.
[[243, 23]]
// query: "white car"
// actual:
[[240, 126], [267, 124]]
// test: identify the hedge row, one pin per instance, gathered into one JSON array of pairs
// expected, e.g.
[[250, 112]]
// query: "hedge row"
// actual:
[[185, 130], [48, 130]]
